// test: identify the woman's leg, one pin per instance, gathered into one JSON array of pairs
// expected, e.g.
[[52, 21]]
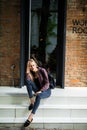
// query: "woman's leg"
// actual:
[[30, 88], [42, 95]]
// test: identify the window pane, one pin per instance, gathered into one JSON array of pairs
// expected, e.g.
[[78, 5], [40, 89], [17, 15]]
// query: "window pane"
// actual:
[[44, 32]]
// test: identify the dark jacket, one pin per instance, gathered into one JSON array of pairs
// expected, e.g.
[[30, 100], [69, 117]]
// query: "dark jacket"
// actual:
[[43, 79]]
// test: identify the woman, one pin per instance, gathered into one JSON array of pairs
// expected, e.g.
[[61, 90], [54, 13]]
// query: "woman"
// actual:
[[37, 85]]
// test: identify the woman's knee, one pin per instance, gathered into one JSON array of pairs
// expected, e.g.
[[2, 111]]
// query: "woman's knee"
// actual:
[[28, 82]]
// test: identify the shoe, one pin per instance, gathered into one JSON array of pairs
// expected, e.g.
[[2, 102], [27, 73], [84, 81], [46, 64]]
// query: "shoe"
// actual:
[[30, 107], [27, 123]]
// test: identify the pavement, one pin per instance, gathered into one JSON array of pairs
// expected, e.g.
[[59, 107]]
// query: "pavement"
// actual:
[[22, 128]]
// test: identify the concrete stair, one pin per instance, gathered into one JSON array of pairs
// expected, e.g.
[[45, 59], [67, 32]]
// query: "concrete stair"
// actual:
[[65, 106]]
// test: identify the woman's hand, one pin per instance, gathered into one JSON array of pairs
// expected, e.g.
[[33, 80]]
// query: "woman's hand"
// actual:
[[37, 93]]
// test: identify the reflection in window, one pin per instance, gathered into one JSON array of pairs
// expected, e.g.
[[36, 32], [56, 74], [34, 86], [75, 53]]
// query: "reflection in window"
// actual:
[[44, 32]]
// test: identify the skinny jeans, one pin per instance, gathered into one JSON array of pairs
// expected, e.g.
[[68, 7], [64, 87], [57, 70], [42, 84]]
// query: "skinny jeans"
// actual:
[[31, 87]]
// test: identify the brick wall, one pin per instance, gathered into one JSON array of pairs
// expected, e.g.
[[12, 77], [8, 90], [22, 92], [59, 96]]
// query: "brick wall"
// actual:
[[9, 41], [76, 44]]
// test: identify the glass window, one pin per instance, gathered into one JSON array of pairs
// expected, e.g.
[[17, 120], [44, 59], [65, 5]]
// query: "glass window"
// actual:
[[43, 39]]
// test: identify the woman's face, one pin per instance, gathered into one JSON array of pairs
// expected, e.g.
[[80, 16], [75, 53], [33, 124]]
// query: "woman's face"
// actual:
[[33, 66]]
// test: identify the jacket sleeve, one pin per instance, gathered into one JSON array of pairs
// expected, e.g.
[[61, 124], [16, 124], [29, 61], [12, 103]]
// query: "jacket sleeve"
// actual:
[[45, 82], [28, 76]]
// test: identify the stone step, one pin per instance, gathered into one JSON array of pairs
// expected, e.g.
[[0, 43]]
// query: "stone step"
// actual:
[[44, 106], [67, 105], [51, 111], [44, 126], [66, 92], [23, 99], [47, 120], [59, 96]]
